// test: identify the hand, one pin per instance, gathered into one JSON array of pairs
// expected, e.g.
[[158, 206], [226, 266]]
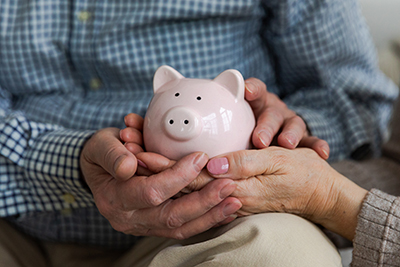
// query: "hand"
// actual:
[[295, 181], [142, 205], [276, 120], [152, 163], [155, 163], [132, 135]]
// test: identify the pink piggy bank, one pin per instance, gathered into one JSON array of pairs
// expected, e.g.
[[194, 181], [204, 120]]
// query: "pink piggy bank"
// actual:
[[188, 115]]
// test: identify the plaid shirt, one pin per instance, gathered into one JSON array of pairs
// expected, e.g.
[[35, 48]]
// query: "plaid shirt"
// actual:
[[68, 68]]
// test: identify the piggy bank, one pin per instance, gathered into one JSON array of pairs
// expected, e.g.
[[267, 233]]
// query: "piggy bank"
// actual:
[[188, 115]]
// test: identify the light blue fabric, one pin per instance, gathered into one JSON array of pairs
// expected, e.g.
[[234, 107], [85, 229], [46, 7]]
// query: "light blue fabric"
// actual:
[[68, 68]]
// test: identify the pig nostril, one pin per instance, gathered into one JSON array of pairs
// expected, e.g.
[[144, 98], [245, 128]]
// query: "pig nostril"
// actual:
[[186, 122], [171, 121]]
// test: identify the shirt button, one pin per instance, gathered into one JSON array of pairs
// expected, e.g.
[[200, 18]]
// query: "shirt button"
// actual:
[[95, 84], [84, 16], [69, 198], [66, 212]]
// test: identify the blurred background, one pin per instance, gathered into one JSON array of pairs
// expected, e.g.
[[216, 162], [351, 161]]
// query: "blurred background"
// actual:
[[383, 19]]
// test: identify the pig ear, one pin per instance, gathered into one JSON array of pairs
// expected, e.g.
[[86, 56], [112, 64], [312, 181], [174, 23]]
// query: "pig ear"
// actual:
[[233, 81], [163, 75]]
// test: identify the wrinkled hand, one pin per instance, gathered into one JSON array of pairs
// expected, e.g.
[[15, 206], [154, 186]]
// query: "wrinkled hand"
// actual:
[[142, 205], [295, 181], [276, 120]]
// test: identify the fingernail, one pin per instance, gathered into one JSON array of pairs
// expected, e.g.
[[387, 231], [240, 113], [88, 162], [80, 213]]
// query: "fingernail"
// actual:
[[200, 161], [249, 87], [227, 190], [264, 138], [141, 163], [291, 139], [230, 209], [218, 166], [325, 150]]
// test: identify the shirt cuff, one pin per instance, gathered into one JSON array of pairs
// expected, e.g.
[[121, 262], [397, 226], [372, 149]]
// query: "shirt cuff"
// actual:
[[52, 171], [377, 239]]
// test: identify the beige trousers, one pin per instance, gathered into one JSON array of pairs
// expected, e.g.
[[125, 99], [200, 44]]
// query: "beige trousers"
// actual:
[[273, 239]]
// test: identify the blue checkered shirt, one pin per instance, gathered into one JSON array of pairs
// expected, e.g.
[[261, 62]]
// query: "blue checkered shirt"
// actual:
[[69, 68]]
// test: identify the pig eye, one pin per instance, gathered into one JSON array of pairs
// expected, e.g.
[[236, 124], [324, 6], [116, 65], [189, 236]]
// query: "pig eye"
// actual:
[[177, 94], [198, 98]]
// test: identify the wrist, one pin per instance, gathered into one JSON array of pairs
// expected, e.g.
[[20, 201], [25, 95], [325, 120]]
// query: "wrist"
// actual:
[[347, 198]]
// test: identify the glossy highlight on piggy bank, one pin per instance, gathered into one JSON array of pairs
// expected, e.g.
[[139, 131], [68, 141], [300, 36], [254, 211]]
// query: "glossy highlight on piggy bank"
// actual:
[[188, 115]]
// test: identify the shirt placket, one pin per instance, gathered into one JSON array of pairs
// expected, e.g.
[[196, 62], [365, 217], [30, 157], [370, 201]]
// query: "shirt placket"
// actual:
[[82, 39]]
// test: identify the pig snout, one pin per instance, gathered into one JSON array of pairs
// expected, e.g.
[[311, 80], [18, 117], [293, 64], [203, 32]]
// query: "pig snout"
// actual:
[[182, 123]]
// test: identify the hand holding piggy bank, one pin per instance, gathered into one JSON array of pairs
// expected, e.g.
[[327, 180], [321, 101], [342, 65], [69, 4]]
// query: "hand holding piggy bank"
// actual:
[[189, 115]]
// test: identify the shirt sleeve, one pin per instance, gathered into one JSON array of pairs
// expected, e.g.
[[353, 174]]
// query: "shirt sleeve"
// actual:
[[39, 164], [326, 68], [377, 239]]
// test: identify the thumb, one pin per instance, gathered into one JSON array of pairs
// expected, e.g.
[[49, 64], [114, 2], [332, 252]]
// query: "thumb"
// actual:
[[109, 152], [245, 163]]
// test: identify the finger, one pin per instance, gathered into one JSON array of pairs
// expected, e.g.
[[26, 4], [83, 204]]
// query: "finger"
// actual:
[[201, 180], [230, 219], [214, 216], [131, 135], [318, 145], [145, 192], [173, 214], [111, 154], [193, 205], [245, 163], [256, 94], [155, 162], [293, 130], [150, 163], [134, 120], [268, 124], [133, 148]]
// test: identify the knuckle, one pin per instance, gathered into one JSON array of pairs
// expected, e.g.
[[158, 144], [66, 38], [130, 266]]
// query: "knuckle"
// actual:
[[125, 222], [296, 119], [281, 156], [173, 221], [260, 84], [241, 159], [152, 196], [275, 113], [297, 124], [108, 156]]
